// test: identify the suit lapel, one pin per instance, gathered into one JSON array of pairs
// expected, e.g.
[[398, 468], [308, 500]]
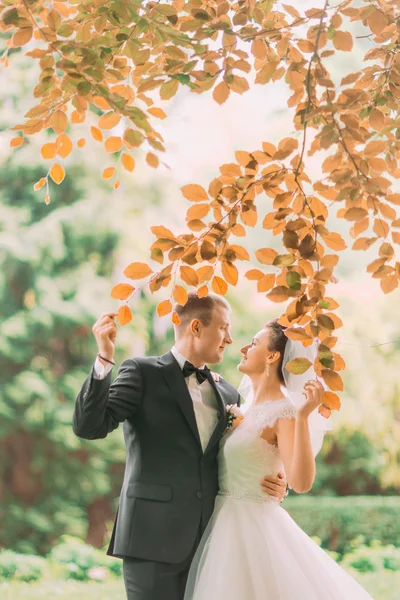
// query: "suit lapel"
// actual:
[[222, 422], [176, 383]]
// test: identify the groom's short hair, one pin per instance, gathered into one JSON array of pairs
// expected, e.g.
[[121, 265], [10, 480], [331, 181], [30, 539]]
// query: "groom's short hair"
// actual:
[[199, 308]]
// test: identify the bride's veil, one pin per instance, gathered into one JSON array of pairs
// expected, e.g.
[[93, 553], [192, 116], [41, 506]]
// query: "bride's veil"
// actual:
[[293, 389]]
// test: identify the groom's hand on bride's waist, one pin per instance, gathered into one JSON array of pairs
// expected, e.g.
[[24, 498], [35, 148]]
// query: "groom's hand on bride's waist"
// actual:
[[274, 486]]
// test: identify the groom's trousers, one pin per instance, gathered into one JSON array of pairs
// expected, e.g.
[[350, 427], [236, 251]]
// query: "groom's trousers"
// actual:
[[147, 580]]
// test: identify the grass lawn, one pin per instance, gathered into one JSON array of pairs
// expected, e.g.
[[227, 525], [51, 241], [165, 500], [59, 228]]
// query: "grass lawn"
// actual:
[[384, 585]]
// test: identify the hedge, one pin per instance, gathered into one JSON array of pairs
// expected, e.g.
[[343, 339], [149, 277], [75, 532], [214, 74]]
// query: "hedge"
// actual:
[[339, 520]]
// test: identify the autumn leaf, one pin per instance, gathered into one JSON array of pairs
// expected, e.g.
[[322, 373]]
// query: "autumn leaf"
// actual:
[[189, 276], [137, 270], [157, 112], [40, 184], [59, 121], [332, 380], [128, 162], [164, 308], [219, 286], [230, 272], [57, 173], [334, 241], [204, 274], [194, 193], [108, 172], [343, 40], [96, 133], [180, 295], [297, 334], [221, 92], [266, 256], [108, 121], [175, 318], [152, 160], [202, 292], [17, 142], [298, 366], [113, 144], [124, 315], [64, 145], [48, 151], [122, 291]]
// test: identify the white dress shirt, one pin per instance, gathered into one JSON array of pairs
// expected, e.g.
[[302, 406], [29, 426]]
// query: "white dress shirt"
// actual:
[[203, 396]]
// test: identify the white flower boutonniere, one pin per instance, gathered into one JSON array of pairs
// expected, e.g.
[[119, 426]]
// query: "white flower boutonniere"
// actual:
[[235, 417]]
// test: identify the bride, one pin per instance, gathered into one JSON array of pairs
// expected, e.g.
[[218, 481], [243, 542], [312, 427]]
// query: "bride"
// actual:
[[252, 549]]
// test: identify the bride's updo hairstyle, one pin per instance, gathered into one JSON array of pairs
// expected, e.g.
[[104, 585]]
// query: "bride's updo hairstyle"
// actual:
[[277, 341]]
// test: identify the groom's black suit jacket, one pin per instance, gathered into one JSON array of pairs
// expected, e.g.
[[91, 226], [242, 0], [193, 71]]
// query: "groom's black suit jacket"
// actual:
[[170, 484]]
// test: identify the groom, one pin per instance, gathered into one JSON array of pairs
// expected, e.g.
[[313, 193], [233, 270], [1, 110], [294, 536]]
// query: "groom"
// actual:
[[173, 415]]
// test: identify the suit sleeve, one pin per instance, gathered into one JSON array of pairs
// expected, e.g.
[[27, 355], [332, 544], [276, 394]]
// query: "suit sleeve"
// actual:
[[101, 405]]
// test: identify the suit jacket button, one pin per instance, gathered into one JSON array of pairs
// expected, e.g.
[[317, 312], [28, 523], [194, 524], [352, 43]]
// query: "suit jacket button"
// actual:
[[199, 495]]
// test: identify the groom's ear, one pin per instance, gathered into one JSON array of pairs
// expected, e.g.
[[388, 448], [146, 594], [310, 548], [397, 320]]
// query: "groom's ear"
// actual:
[[195, 327]]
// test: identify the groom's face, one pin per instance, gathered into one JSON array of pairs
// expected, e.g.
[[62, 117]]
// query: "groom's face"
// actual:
[[212, 340]]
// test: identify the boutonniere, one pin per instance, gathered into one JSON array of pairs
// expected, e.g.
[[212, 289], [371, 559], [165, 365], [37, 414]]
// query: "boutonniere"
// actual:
[[234, 416]]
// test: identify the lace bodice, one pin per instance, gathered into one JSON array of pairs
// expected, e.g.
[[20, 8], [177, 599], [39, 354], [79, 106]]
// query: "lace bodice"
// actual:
[[245, 457]]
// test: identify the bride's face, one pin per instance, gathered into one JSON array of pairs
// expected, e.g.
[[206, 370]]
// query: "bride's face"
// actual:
[[255, 354]]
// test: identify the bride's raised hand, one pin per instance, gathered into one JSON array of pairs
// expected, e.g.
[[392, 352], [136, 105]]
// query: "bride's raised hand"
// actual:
[[314, 395]]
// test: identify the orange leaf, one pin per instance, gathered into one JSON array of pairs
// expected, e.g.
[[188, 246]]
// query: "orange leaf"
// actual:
[[124, 315], [194, 192], [137, 270], [389, 283], [343, 40], [47, 199], [128, 162], [81, 142], [221, 92], [96, 133], [254, 274], [16, 142], [180, 295], [49, 150], [175, 318], [157, 112], [152, 160], [113, 144], [204, 274], [108, 173], [59, 121], [332, 380], [297, 334], [266, 256], [377, 120], [22, 37], [122, 291], [109, 120], [230, 273], [164, 308], [202, 292], [219, 286], [40, 184], [189, 276], [334, 241], [117, 184], [331, 401], [57, 173], [64, 145]]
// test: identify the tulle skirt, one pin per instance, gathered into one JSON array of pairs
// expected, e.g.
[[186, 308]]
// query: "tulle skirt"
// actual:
[[255, 551]]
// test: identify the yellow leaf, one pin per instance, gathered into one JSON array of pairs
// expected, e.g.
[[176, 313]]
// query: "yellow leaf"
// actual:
[[108, 173], [128, 162], [180, 295], [157, 112], [122, 291], [113, 144], [202, 292], [164, 308], [124, 315], [152, 160], [137, 270], [266, 256], [59, 121], [16, 142], [189, 276], [57, 173], [64, 145], [49, 150], [230, 272], [332, 380], [298, 366], [343, 40], [194, 192], [96, 133], [40, 184], [109, 120], [219, 286], [221, 92]]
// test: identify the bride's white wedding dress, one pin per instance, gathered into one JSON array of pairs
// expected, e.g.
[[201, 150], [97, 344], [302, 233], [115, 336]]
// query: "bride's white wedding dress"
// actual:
[[252, 549]]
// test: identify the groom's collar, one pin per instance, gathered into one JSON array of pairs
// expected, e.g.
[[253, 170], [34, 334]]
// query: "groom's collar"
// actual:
[[180, 358]]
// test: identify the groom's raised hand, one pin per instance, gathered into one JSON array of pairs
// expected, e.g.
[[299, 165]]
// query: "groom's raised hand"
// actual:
[[105, 332], [274, 486]]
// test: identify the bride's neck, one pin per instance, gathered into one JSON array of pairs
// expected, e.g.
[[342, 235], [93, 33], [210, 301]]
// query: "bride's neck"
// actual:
[[266, 388]]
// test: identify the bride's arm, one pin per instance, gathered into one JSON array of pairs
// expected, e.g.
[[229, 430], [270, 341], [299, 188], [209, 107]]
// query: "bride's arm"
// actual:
[[295, 444]]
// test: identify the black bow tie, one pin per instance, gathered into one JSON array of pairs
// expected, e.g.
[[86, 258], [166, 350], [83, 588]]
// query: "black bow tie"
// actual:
[[201, 374]]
